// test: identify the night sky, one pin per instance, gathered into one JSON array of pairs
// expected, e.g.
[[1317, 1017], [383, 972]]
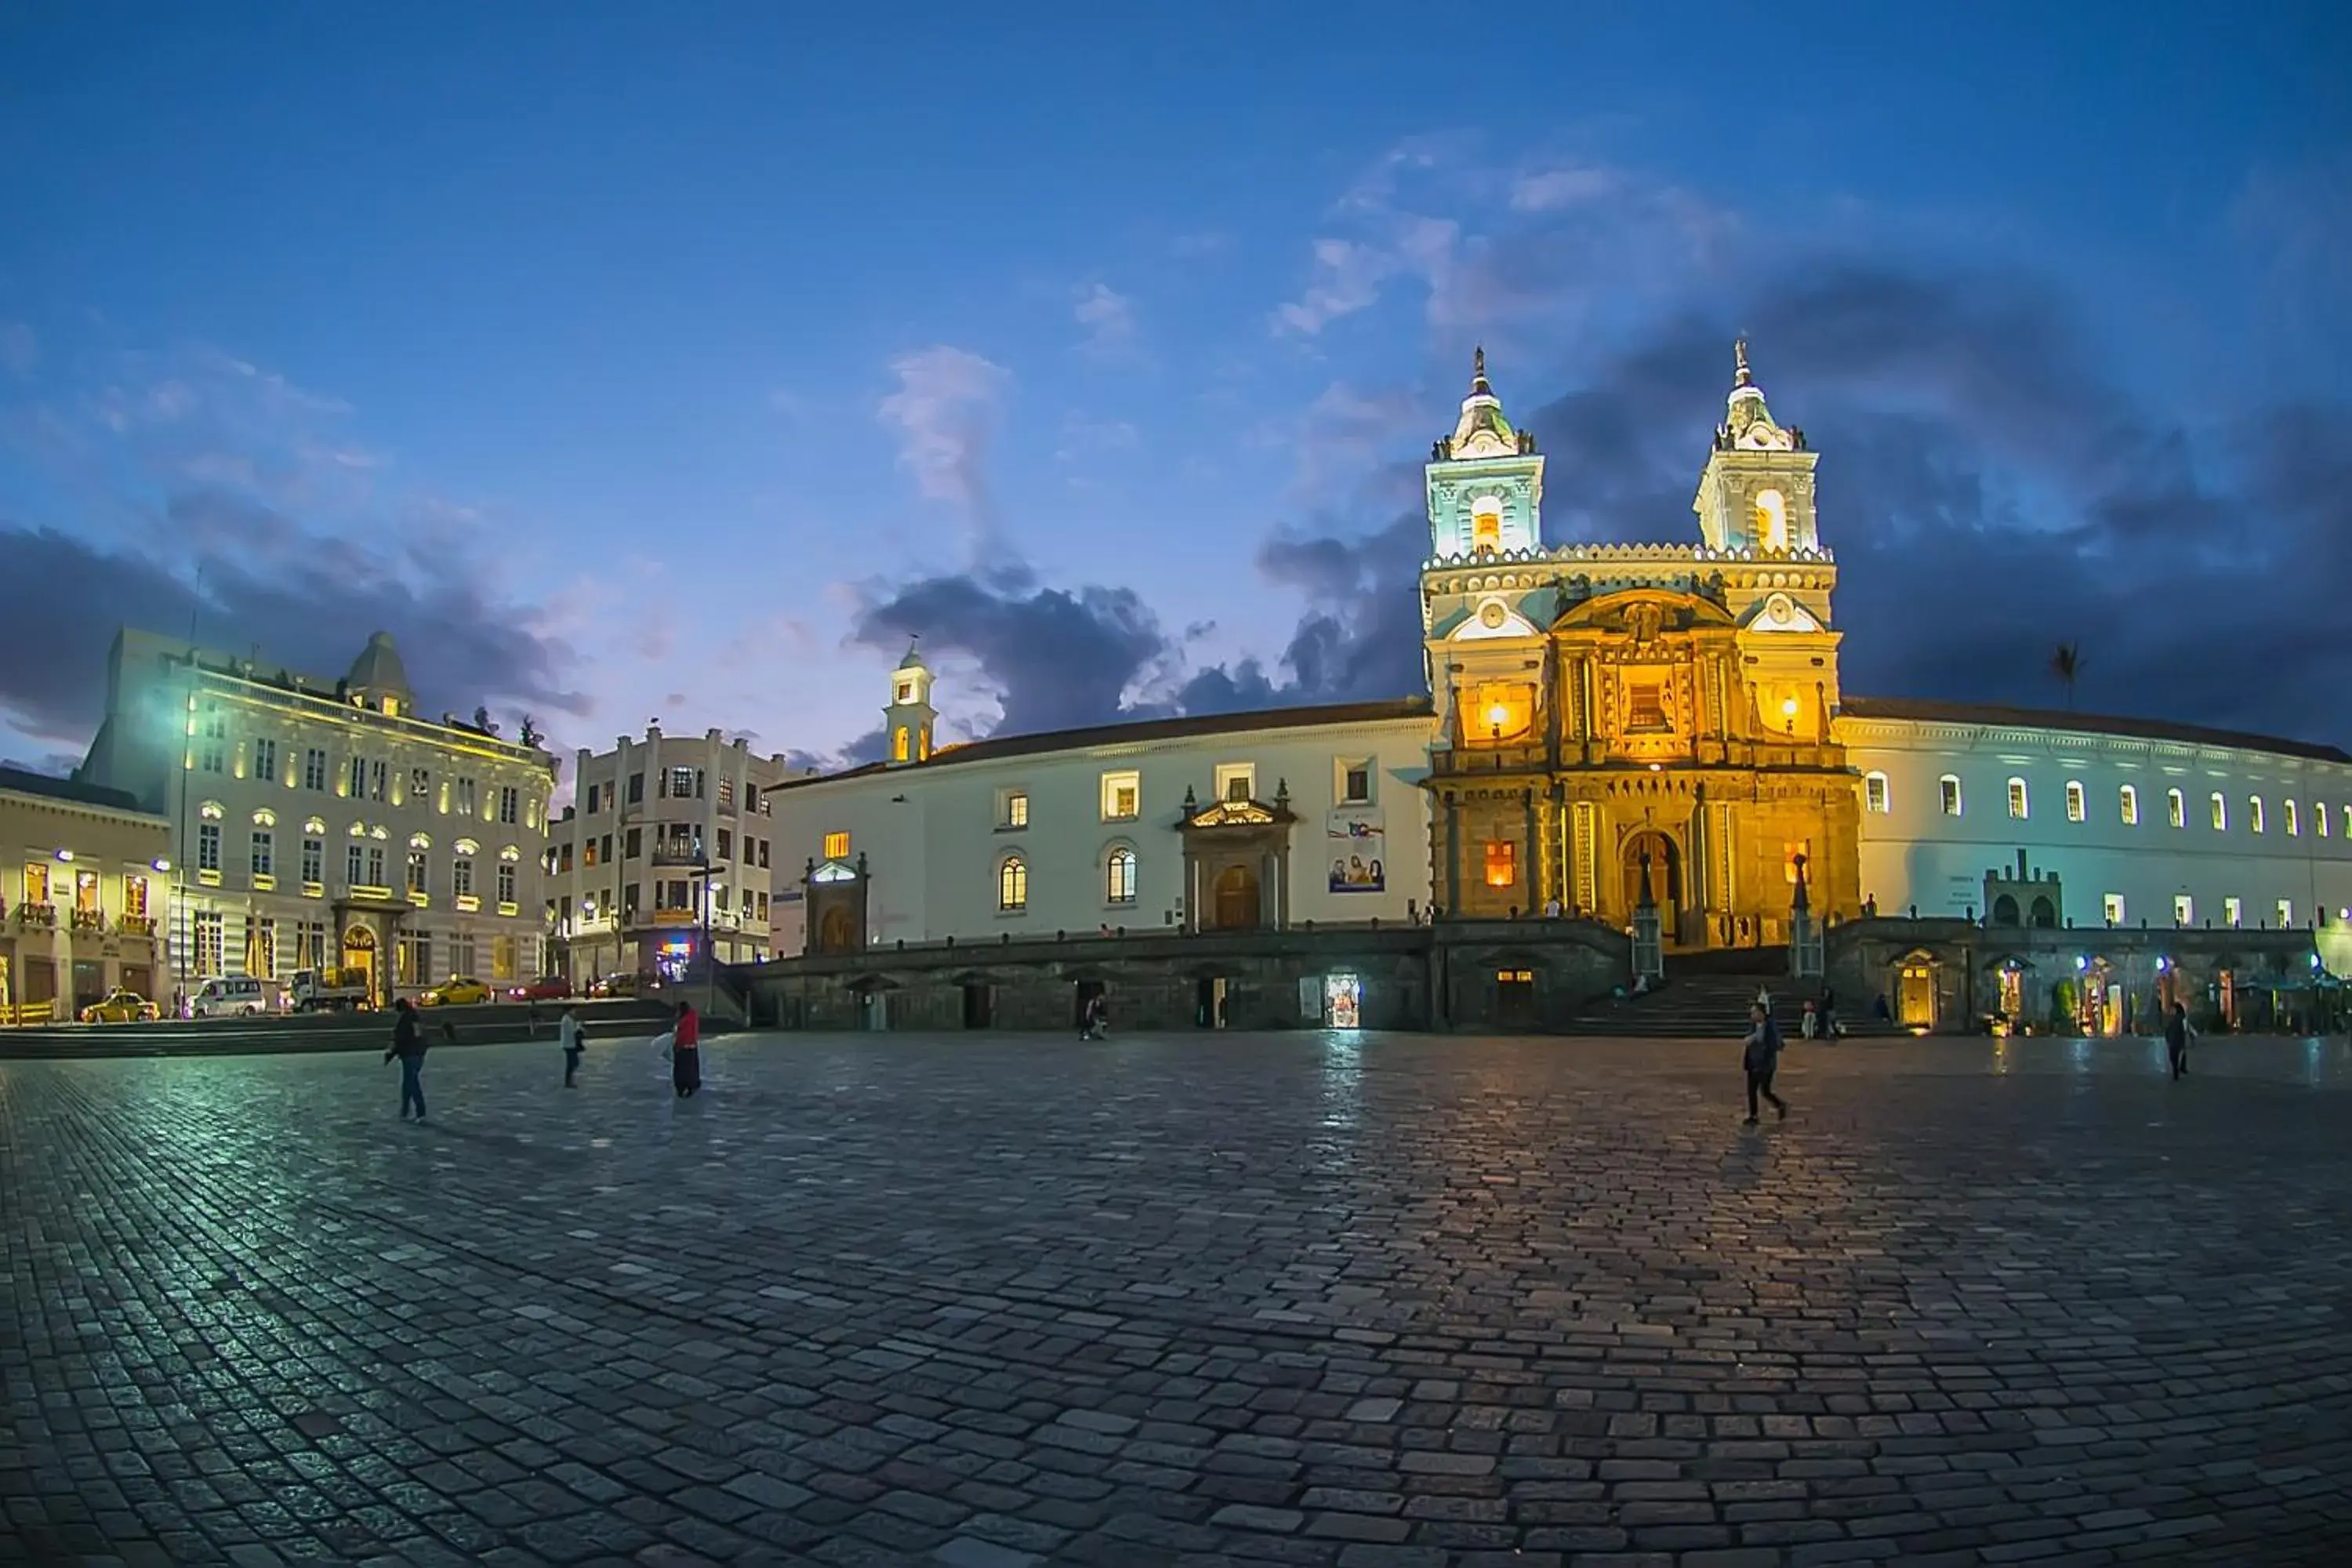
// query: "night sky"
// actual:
[[679, 360]]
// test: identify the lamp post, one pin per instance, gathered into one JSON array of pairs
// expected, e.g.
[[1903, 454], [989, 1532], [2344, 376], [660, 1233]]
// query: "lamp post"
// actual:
[[709, 962]]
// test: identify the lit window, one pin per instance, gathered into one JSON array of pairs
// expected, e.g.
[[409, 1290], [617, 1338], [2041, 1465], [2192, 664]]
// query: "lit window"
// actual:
[[1951, 790], [1012, 884], [898, 745], [1874, 793], [2128, 804], [2017, 799], [1119, 881], [2176, 808], [1486, 531], [2285, 913], [1236, 781], [2221, 813], [2073, 801], [1502, 863], [208, 847], [1122, 796], [2293, 821], [37, 882], [2111, 908], [1017, 809], [2233, 912], [2253, 814], [836, 846], [1646, 707], [2347, 822], [2319, 816], [2184, 909]]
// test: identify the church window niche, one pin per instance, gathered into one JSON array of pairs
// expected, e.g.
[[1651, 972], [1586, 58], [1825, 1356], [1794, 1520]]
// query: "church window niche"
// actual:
[[2017, 799], [1500, 710], [1486, 526], [1502, 863], [1771, 521], [1874, 794], [1646, 707], [2074, 810], [1012, 885], [1118, 876], [1121, 797], [1951, 790], [2127, 802]]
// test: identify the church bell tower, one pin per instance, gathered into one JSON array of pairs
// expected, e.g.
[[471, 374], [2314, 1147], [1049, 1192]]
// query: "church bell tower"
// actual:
[[1756, 492], [1484, 481], [906, 722]]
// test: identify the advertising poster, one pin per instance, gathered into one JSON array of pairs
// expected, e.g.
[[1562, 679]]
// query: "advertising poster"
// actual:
[[1355, 851]]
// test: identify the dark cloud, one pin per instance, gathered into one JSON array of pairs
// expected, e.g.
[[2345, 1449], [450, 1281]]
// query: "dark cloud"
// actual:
[[256, 577]]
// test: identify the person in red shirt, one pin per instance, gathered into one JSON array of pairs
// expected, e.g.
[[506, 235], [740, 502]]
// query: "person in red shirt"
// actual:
[[685, 1051]]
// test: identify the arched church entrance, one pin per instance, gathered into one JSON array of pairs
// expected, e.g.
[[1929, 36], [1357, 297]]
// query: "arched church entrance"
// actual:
[[1664, 872], [1237, 899], [359, 953]]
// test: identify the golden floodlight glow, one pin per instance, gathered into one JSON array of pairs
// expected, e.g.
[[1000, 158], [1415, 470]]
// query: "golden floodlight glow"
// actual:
[[1498, 715]]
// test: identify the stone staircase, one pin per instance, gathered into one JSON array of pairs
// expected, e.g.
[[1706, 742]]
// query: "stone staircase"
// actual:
[[1706, 995]]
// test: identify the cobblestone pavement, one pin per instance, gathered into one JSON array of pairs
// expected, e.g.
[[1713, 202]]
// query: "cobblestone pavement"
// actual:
[[982, 1301]]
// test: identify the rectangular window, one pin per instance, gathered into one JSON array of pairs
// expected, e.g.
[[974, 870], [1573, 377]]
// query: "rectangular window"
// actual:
[[37, 882], [2111, 908], [2221, 813], [208, 931], [314, 856], [1951, 793], [2255, 822], [314, 769], [590, 810], [563, 856], [466, 803], [726, 792], [1236, 781], [2184, 909], [637, 789], [354, 868], [2319, 816], [378, 780], [509, 804], [356, 785], [836, 846], [265, 759], [265, 854], [1356, 783], [604, 848], [763, 853], [1012, 808], [2233, 912], [416, 870], [375, 866], [261, 949], [1646, 706], [726, 844], [2074, 809], [420, 785], [134, 897], [2293, 821], [684, 783], [503, 958], [461, 954], [1502, 863], [2176, 808], [208, 847], [506, 882], [461, 878], [2286, 914], [1122, 796], [2017, 799], [1874, 794], [2127, 806], [587, 852], [633, 843], [416, 958]]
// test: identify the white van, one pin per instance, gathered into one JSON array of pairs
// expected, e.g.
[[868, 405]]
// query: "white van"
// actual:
[[235, 994]]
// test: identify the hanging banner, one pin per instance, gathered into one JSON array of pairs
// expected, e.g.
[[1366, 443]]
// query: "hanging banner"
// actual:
[[1356, 848]]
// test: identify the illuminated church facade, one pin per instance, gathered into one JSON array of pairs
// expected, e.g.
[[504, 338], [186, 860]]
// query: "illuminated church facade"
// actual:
[[1599, 720]]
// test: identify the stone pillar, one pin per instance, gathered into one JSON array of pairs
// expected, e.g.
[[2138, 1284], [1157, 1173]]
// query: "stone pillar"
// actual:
[[1804, 936]]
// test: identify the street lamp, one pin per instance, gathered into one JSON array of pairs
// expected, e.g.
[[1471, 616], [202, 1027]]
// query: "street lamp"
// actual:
[[709, 962]]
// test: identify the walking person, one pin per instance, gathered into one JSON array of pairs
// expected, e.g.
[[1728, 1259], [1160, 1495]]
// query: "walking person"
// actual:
[[567, 1030], [1762, 1058], [2177, 1033], [685, 1051], [408, 1045]]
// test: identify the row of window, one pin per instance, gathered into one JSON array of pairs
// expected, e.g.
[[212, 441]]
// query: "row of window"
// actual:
[[261, 954], [672, 783], [1878, 798], [40, 884], [1119, 870], [364, 778], [669, 896], [681, 840], [2184, 910], [365, 864]]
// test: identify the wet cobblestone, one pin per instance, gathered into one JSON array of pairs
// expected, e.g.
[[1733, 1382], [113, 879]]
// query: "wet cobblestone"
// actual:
[[990, 1301]]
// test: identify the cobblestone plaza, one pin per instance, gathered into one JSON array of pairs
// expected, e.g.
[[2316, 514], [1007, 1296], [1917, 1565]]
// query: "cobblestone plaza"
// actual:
[[985, 1300]]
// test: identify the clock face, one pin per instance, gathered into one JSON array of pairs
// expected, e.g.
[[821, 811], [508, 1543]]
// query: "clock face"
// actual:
[[1779, 609]]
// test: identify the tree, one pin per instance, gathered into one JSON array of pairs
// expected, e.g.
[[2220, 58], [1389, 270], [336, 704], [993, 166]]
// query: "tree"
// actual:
[[2067, 664]]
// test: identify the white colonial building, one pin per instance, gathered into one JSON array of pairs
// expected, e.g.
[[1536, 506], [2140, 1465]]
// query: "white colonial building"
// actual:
[[666, 837], [326, 822], [1602, 720]]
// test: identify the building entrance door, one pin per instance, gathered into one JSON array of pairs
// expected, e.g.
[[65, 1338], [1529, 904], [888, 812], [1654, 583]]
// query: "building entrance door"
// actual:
[[1915, 1000], [1236, 898], [1514, 998], [1343, 1001], [360, 953], [1665, 873]]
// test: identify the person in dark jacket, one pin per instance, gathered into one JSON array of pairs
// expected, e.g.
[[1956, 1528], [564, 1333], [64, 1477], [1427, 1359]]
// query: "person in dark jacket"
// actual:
[[1762, 1058], [2177, 1033], [685, 1051], [408, 1045]]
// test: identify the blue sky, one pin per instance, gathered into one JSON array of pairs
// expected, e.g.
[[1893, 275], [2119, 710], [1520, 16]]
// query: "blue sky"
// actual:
[[637, 360]]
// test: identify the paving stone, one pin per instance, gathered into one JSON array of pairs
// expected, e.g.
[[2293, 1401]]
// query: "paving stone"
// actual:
[[1210, 1297]]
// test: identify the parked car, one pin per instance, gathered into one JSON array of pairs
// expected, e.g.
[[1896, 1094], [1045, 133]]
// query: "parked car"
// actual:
[[457, 991], [121, 1007], [546, 988], [614, 985], [233, 995]]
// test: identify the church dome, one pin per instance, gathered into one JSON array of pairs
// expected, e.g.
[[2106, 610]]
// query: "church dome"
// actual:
[[378, 678]]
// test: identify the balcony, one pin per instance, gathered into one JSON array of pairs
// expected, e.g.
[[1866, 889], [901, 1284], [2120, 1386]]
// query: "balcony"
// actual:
[[370, 893], [467, 903], [43, 916], [136, 925], [89, 920], [263, 882], [680, 854], [510, 910]]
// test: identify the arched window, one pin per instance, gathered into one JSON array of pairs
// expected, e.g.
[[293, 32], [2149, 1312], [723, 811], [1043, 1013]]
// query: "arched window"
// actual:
[[2176, 809], [1013, 883], [2293, 821], [1950, 786], [1874, 794], [2319, 815], [1771, 521], [2127, 802], [2253, 814], [1118, 876], [2017, 799], [899, 744], [2074, 800], [2221, 813]]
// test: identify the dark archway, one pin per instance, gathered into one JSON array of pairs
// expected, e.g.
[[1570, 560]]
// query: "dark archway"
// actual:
[[2044, 914], [2004, 910], [837, 933], [1237, 899], [1666, 872]]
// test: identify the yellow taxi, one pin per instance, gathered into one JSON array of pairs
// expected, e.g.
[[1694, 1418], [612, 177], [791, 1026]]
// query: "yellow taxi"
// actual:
[[120, 1007], [457, 991]]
